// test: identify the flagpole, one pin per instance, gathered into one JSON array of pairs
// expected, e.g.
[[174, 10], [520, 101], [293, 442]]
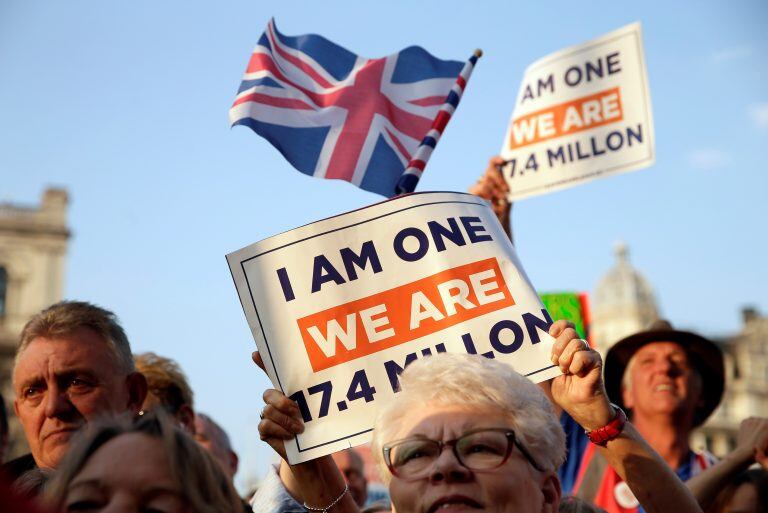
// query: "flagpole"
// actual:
[[413, 171]]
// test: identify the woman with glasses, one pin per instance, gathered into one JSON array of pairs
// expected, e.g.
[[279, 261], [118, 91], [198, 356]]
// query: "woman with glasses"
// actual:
[[470, 434]]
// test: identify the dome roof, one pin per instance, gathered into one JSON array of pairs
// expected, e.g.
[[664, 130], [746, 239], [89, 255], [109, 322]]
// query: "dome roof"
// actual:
[[623, 285]]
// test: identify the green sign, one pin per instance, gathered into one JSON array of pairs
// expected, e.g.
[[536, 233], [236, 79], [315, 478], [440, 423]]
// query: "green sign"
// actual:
[[569, 306]]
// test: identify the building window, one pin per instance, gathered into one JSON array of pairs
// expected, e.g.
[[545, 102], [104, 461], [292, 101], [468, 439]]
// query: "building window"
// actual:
[[3, 289]]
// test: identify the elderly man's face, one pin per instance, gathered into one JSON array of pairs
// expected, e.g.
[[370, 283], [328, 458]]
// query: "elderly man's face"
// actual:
[[662, 381], [207, 436], [354, 475], [515, 486], [62, 383]]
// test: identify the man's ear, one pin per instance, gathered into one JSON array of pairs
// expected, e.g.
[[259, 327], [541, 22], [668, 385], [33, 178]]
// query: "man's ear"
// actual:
[[550, 489], [137, 391], [234, 461], [186, 416]]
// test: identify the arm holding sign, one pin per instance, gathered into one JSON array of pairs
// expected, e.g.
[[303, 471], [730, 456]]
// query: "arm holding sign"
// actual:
[[581, 393], [492, 187], [318, 483]]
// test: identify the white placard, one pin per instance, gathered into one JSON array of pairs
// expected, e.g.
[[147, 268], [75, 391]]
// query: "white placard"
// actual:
[[340, 306], [581, 113]]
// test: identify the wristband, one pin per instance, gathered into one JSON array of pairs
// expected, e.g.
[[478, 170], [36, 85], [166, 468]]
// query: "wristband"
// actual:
[[601, 436]]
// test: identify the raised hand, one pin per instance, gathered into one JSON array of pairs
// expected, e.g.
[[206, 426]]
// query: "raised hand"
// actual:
[[579, 390], [752, 440], [317, 482], [492, 187], [280, 419]]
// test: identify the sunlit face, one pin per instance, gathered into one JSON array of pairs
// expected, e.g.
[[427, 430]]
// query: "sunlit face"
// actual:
[[452, 488], [128, 474], [662, 381], [354, 475], [61, 384]]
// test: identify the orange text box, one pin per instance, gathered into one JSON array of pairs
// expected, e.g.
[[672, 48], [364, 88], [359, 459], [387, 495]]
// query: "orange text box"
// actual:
[[399, 315], [566, 118]]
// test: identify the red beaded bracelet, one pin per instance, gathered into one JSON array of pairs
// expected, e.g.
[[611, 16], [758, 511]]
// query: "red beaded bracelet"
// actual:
[[613, 429]]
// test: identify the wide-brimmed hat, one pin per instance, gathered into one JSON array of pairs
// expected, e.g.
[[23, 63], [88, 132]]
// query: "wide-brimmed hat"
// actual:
[[705, 356]]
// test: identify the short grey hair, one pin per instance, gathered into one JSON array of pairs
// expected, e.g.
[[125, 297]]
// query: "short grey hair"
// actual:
[[66, 317], [477, 383], [626, 378]]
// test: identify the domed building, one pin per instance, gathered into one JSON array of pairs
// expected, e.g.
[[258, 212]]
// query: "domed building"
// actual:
[[623, 303]]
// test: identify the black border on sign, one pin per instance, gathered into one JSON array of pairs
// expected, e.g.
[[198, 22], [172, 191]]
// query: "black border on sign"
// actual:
[[650, 156], [261, 327]]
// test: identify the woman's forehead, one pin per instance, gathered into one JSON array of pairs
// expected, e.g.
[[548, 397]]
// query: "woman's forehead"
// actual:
[[448, 422]]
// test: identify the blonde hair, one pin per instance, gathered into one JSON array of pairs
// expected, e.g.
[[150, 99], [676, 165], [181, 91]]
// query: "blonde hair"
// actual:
[[165, 380], [476, 383], [66, 317], [202, 482]]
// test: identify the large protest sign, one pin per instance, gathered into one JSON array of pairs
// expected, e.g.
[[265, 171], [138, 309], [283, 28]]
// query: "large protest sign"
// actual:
[[339, 307], [581, 113]]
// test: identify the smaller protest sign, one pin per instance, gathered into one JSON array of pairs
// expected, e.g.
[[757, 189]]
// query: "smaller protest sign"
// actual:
[[581, 113], [571, 306], [339, 307]]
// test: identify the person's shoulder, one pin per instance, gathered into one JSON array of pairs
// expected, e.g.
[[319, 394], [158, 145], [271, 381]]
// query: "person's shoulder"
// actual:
[[704, 459], [16, 468], [378, 507], [697, 462], [272, 497]]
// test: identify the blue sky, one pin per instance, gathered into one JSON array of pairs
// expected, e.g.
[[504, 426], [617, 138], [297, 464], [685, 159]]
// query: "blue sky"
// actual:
[[125, 104]]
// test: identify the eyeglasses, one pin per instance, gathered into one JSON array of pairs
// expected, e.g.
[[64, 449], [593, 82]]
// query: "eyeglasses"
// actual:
[[482, 449]]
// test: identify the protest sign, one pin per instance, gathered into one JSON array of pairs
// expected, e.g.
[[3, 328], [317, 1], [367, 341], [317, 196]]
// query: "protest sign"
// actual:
[[339, 307], [571, 306], [581, 113]]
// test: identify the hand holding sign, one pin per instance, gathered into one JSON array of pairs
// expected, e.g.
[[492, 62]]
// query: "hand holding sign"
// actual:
[[492, 187], [579, 390], [280, 422], [280, 418]]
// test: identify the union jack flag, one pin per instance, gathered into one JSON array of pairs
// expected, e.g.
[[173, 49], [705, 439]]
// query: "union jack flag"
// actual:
[[333, 114]]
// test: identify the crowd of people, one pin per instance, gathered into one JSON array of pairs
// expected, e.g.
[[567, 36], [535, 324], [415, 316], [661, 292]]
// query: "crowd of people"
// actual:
[[110, 430]]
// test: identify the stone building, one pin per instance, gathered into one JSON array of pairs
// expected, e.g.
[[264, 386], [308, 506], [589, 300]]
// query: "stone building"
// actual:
[[33, 248], [746, 384], [623, 303]]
